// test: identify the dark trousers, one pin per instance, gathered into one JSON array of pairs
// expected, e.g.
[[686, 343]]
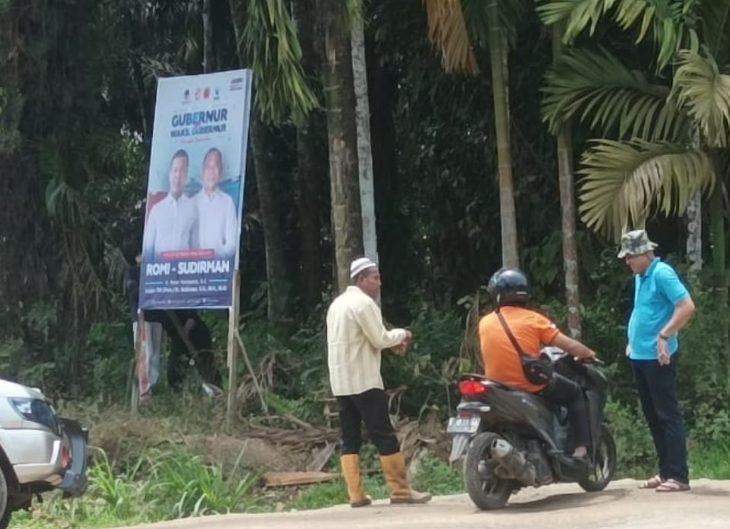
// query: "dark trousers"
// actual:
[[564, 391], [657, 386], [370, 408], [178, 363]]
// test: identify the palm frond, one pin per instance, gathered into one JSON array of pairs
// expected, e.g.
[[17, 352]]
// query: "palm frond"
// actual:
[[64, 204], [713, 17], [598, 89], [623, 182], [699, 85], [577, 15], [270, 40], [664, 20], [511, 14], [447, 30]]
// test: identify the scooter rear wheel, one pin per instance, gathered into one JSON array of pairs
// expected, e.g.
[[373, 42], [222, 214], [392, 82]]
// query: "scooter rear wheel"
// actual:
[[485, 488]]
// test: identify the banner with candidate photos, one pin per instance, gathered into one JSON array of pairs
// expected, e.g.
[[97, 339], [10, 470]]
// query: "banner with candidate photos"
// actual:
[[194, 208]]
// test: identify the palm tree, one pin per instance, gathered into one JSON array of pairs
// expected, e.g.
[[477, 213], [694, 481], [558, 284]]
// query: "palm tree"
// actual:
[[455, 26], [270, 46], [342, 134], [451, 24], [667, 134], [566, 184]]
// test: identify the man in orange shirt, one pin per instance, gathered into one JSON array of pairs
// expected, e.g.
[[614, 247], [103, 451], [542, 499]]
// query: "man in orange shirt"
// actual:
[[503, 364]]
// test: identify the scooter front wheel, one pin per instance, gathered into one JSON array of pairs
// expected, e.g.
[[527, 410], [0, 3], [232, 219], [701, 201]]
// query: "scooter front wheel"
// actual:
[[603, 466], [487, 490]]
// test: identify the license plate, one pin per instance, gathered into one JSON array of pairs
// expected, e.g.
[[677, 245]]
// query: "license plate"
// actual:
[[463, 425]]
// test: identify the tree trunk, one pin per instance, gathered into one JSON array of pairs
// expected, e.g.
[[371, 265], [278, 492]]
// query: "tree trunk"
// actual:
[[694, 233], [207, 37], [279, 288], [694, 224], [498, 53], [342, 134], [364, 149], [717, 225], [567, 210], [397, 262], [307, 176]]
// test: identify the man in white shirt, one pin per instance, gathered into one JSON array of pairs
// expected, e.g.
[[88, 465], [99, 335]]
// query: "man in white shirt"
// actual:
[[218, 224], [172, 223], [355, 337]]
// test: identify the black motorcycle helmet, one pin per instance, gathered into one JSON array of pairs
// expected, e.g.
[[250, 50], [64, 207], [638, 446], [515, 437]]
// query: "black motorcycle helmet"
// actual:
[[509, 286]]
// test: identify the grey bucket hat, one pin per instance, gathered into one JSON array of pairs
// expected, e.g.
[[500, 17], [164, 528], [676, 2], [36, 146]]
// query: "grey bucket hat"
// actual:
[[635, 243]]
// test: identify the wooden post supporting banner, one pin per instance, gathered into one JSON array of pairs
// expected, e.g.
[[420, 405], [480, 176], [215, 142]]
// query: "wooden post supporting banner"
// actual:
[[256, 384], [232, 356], [138, 343]]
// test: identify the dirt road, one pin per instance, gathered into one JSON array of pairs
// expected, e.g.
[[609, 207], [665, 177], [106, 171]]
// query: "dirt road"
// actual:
[[565, 506]]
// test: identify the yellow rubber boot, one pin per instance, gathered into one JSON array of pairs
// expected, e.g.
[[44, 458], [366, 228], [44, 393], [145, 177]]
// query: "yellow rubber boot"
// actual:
[[351, 472], [394, 468]]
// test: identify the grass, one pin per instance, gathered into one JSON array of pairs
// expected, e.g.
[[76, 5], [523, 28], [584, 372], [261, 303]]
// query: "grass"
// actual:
[[162, 485], [165, 485], [177, 484], [710, 463]]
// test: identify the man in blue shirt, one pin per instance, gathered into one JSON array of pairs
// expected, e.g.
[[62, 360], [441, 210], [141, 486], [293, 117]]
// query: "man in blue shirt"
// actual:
[[662, 306]]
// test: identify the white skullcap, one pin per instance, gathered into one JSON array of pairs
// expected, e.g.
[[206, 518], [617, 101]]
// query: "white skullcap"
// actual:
[[359, 265]]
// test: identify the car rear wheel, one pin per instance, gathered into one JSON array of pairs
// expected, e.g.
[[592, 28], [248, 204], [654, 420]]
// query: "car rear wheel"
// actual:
[[5, 512]]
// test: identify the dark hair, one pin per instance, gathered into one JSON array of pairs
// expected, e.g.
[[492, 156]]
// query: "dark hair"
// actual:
[[180, 153], [214, 150]]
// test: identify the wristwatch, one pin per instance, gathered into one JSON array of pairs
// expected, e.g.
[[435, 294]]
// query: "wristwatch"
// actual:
[[665, 338]]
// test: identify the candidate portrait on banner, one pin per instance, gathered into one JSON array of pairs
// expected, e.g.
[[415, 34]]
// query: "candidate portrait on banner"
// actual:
[[217, 221], [195, 191], [172, 223]]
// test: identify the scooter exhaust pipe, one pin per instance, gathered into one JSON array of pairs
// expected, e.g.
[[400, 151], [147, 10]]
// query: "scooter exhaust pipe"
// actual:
[[513, 461]]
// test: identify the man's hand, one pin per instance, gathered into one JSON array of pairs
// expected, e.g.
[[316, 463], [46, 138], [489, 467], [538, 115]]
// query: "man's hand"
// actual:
[[628, 351], [587, 356], [402, 348], [662, 351]]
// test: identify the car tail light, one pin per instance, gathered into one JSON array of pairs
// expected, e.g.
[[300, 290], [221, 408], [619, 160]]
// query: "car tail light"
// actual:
[[472, 388], [65, 457]]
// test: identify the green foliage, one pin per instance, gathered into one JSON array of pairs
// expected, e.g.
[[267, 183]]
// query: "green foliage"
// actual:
[[634, 445], [623, 182], [195, 489], [271, 44], [437, 477], [323, 495], [596, 88], [704, 384], [432, 365], [705, 92], [665, 20], [711, 462], [305, 409], [111, 348]]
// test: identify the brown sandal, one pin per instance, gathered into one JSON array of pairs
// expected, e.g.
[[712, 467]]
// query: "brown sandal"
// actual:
[[652, 483], [672, 485]]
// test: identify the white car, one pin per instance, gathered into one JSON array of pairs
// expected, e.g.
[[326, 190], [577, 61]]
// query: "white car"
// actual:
[[39, 451]]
